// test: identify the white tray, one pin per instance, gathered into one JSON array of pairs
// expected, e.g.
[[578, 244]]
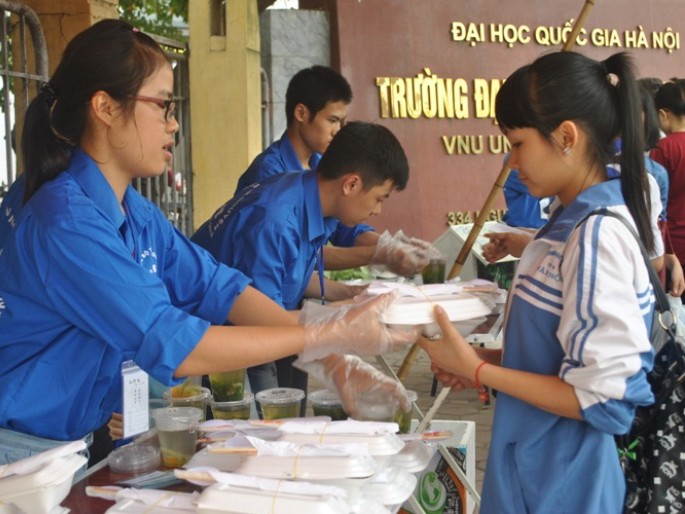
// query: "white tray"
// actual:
[[420, 311]]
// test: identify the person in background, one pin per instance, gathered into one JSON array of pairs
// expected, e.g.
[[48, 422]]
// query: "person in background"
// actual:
[[93, 274], [670, 153], [563, 392], [671, 273], [274, 230], [316, 109], [523, 210]]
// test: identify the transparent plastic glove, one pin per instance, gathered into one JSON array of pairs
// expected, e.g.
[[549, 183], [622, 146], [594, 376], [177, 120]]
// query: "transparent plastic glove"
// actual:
[[353, 378], [401, 254], [353, 328]]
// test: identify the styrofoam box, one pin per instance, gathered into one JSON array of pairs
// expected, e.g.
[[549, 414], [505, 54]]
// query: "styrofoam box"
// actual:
[[224, 499], [41, 491], [449, 492]]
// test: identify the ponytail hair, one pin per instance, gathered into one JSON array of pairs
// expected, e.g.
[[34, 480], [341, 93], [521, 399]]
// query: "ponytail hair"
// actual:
[[602, 97], [110, 56]]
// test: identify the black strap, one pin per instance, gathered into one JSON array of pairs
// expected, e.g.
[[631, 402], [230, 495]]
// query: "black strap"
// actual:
[[663, 307]]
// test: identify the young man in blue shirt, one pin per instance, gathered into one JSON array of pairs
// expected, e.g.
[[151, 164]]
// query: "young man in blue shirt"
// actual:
[[316, 109], [274, 231]]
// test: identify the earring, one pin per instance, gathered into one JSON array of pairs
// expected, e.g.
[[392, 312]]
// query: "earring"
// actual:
[[566, 150]]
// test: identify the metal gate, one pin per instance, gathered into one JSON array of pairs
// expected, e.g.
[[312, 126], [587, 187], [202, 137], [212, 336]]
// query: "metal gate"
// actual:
[[14, 70], [172, 191]]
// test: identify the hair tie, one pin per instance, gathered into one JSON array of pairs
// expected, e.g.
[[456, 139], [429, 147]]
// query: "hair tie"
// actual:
[[49, 92], [134, 29]]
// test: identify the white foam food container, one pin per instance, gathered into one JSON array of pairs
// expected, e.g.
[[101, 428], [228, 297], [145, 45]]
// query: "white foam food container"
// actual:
[[224, 498], [414, 457], [378, 444], [411, 310], [293, 468], [42, 490], [390, 486]]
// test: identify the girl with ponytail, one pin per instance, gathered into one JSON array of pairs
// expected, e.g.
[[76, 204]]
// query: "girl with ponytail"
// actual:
[[576, 345]]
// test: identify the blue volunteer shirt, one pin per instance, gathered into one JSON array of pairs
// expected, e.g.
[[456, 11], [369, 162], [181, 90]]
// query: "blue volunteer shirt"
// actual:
[[272, 231], [85, 288], [279, 158]]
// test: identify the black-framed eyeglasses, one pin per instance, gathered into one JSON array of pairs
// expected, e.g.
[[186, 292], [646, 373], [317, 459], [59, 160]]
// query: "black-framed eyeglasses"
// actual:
[[169, 106]]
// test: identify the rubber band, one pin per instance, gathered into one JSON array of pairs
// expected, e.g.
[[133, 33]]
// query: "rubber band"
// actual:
[[275, 497], [296, 464], [323, 431], [160, 499], [476, 373]]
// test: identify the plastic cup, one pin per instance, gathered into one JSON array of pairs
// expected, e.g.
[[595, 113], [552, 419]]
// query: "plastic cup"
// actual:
[[198, 400], [239, 409], [377, 406], [227, 386], [177, 432], [327, 403], [434, 272], [191, 386], [402, 418], [280, 402]]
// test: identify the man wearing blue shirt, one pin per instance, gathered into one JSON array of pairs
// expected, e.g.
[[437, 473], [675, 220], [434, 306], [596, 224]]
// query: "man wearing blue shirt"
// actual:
[[274, 231], [316, 109]]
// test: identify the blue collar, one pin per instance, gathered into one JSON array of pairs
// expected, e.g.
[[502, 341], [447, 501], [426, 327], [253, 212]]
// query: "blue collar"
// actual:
[[89, 177], [563, 220], [290, 160]]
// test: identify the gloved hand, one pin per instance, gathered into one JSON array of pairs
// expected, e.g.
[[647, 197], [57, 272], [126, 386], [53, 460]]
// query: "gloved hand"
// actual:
[[353, 378], [403, 255], [352, 328]]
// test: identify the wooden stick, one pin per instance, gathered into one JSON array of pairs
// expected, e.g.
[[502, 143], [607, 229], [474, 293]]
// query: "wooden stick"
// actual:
[[589, 4], [480, 221], [413, 352]]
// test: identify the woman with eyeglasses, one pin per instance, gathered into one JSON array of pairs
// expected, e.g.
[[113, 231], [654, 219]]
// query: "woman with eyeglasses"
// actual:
[[93, 275]]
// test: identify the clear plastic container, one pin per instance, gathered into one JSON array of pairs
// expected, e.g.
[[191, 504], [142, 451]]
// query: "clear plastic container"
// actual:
[[228, 386], [134, 458], [280, 402], [239, 409], [376, 406], [199, 399], [177, 432], [327, 403], [402, 418]]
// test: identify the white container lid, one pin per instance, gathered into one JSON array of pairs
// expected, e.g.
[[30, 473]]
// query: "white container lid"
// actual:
[[420, 311], [43, 489], [293, 468]]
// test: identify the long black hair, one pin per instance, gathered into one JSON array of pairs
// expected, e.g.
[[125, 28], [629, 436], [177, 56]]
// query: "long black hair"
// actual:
[[110, 56], [564, 86]]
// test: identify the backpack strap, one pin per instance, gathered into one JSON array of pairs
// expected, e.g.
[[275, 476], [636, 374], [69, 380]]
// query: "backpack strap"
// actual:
[[664, 315]]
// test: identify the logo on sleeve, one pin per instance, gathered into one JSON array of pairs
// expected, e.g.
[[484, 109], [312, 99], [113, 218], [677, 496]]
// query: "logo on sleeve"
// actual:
[[148, 260]]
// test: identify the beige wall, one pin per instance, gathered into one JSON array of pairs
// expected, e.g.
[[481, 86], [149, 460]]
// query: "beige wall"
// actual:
[[225, 102]]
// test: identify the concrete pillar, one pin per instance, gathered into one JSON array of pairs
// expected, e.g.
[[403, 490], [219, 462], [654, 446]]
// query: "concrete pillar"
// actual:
[[225, 103]]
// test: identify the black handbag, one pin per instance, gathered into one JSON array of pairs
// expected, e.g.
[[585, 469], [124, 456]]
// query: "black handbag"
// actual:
[[652, 454]]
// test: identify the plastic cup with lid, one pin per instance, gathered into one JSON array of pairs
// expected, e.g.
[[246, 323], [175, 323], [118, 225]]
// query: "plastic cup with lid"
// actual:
[[280, 402]]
